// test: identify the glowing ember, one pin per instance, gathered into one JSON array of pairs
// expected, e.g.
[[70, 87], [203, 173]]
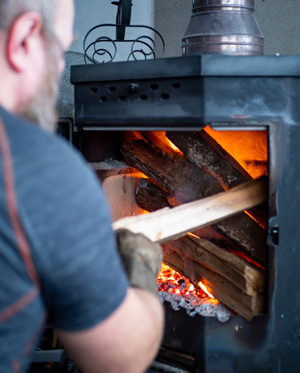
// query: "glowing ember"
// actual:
[[204, 288], [172, 146], [247, 258], [159, 138], [240, 253], [173, 282]]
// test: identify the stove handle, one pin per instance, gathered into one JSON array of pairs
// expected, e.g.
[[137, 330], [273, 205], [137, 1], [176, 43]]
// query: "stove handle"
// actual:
[[273, 232]]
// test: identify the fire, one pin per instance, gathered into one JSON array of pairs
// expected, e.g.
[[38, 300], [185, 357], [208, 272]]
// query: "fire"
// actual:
[[247, 258], [159, 138], [249, 148], [173, 282], [204, 288], [172, 146], [239, 253]]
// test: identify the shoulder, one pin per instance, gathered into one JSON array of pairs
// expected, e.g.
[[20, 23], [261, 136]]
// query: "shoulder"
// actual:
[[54, 184], [44, 156], [27, 140], [50, 173]]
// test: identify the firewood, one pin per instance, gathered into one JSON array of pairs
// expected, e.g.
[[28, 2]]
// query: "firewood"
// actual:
[[187, 182], [243, 275], [174, 173], [238, 284], [206, 153], [224, 290], [202, 150], [166, 224], [151, 197]]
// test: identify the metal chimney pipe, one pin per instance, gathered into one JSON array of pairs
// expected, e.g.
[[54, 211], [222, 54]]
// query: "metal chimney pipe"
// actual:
[[223, 27]]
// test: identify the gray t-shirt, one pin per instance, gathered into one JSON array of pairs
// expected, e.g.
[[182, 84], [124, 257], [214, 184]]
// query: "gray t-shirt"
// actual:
[[58, 256]]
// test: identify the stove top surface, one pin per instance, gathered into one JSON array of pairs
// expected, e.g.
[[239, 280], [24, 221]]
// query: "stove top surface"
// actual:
[[188, 66]]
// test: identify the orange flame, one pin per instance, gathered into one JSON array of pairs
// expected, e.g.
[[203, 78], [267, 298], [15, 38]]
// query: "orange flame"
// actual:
[[249, 148], [172, 146], [159, 138], [204, 288]]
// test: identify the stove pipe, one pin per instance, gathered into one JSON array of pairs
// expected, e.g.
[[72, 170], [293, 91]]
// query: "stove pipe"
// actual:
[[223, 27]]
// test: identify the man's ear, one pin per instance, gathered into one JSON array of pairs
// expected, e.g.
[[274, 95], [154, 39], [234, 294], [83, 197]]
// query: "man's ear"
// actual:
[[23, 37]]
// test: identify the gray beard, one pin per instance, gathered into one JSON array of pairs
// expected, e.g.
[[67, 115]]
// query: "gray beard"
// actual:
[[41, 109]]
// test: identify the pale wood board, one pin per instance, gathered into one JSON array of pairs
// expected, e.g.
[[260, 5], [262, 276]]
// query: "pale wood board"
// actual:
[[170, 223]]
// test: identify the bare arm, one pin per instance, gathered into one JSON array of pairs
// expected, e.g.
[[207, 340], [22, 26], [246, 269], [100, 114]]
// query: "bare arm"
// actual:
[[127, 341]]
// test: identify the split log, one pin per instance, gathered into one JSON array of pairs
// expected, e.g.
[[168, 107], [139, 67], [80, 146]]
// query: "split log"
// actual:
[[228, 292], [166, 224], [202, 150], [187, 182], [243, 275]]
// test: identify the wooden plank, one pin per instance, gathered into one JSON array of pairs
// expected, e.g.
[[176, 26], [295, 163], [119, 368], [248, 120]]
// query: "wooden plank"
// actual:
[[151, 197], [166, 224]]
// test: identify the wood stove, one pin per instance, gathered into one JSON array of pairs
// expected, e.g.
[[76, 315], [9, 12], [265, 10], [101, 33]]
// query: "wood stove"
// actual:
[[229, 93]]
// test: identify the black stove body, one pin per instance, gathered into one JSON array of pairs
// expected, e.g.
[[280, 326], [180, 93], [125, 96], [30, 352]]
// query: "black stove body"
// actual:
[[185, 94]]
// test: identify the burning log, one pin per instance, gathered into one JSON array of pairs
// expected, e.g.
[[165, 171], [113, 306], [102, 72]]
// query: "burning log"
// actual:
[[240, 287], [151, 197], [243, 275], [171, 171], [202, 150], [186, 182]]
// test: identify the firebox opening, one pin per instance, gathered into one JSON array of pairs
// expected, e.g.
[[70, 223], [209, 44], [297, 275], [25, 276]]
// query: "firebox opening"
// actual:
[[223, 265]]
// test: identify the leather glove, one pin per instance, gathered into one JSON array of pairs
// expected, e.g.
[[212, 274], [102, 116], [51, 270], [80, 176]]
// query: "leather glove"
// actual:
[[141, 259]]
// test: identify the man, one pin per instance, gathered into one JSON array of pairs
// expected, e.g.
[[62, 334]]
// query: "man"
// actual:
[[58, 255]]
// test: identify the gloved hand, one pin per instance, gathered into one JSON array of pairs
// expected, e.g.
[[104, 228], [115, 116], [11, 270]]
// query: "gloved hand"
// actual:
[[141, 259]]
